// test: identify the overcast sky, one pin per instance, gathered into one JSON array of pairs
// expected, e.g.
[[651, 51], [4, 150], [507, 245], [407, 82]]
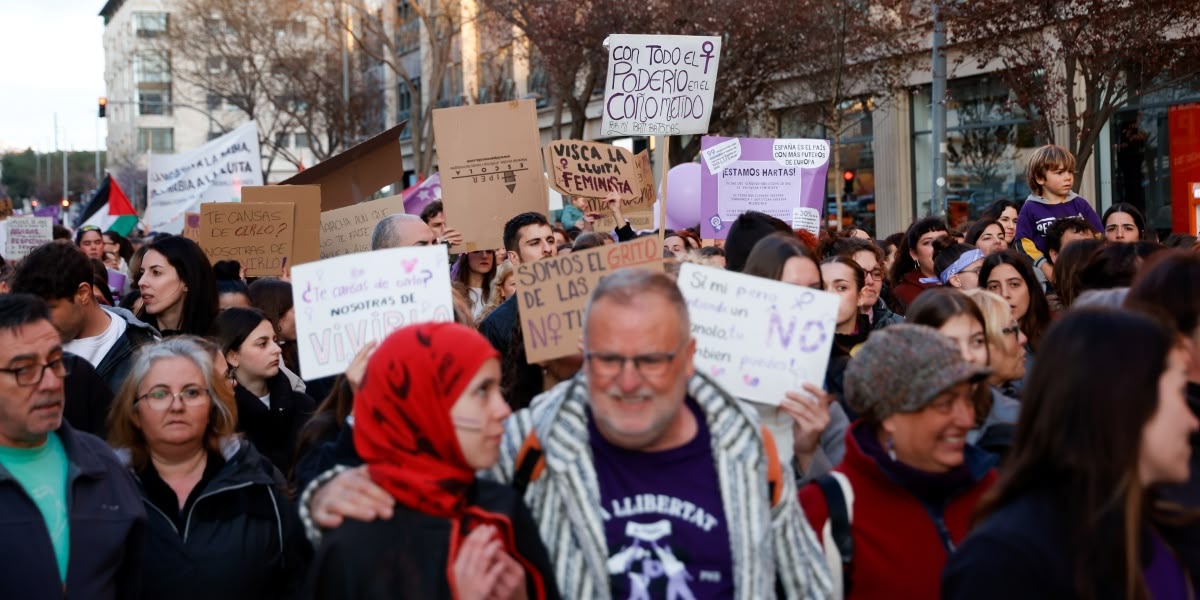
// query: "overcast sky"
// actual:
[[51, 61]]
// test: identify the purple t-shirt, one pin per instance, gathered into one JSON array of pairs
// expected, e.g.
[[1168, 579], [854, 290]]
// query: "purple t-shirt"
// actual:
[[664, 519], [1036, 218]]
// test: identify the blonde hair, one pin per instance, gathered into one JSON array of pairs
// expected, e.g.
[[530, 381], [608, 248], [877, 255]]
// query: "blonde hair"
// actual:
[[1045, 159], [504, 272], [997, 314], [222, 416]]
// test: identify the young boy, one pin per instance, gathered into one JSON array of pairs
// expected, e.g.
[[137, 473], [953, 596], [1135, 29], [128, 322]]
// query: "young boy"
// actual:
[[1051, 175]]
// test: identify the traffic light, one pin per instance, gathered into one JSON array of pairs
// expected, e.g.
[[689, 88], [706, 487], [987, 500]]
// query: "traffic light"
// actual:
[[103, 106], [848, 177]]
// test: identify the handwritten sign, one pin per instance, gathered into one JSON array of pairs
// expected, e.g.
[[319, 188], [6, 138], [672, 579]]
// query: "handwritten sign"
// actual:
[[552, 293], [215, 172], [257, 235], [638, 211], [490, 159], [592, 169], [348, 230], [6, 208], [659, 84], [344, 302], [25, 234], [191, 226], [758, 337], [784, 178]]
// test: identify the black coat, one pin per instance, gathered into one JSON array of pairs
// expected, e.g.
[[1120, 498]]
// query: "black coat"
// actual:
[[107, 530], [406, 556], [114, 367], [273, 431], [242, 537], [88, 397]]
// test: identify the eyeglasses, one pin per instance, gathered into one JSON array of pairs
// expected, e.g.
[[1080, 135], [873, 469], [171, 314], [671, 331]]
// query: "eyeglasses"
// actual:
[[875, 274], [1013, 330], [648, 366], [30, 375], [162, 398]]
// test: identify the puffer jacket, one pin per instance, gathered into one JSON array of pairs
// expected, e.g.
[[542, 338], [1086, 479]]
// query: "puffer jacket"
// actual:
[[274, 430]]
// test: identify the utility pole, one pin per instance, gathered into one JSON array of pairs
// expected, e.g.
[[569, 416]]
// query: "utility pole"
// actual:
[[64, 168], [937, 203]]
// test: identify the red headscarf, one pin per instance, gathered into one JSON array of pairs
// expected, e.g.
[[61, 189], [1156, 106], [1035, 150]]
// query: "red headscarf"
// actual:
[[403, 431]]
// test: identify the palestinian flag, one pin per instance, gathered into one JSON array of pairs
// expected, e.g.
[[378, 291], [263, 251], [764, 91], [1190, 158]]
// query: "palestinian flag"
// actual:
[[109, 209]]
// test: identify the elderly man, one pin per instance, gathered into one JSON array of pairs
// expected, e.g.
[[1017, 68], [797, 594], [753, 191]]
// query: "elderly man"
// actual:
[[646, 479], [65, 499], [398, 231]]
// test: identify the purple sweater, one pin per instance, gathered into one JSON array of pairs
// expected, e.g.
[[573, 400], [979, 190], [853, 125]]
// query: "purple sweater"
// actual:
[[1037, 215]]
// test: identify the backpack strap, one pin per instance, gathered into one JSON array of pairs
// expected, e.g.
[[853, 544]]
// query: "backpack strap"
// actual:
[[836, 536], [531, 461], [774, 468]]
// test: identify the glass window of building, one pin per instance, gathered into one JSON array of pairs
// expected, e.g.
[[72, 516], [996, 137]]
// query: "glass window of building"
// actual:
[[150, 24], [156, 139]]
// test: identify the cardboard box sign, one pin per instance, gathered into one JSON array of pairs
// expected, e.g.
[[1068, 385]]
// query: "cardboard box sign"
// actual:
[[592, 169], [348, 230], [552, 293], [307, 227], [354, 175], [490, 159], [258, 235]]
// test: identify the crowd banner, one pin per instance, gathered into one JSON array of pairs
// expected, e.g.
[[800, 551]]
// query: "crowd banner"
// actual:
[[757, 337], [344, 302], [26, 233], [348, 230], [490, 158], [784, 178], [215, 172], [553, 292], [259, 235], [659, 84]]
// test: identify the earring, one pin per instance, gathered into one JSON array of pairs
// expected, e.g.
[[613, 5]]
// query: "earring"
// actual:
[[891, 449]]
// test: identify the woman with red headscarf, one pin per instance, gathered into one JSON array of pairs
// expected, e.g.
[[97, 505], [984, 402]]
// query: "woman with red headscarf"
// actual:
[[428, 416]]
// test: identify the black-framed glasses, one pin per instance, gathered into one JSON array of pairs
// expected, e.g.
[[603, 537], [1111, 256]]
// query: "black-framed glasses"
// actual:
[[1013, 330], [162, 398], [30, 375], [648, 366]]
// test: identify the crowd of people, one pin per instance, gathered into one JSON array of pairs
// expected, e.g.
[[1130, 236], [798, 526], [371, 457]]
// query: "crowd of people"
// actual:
[[1009, 411]]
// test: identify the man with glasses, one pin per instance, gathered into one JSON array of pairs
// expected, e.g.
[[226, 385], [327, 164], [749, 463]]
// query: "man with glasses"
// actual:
[[72, 518], [650, 480]]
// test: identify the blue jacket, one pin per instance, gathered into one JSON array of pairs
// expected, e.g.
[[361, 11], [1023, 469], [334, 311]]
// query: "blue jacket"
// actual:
[[107, 530]]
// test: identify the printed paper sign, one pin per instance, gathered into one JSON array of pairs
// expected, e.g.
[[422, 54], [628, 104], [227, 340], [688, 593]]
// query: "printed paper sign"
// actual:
[[759, 338], [348, 230], [772, 176], [592, 169], [25, 234], [490, 159], [552, 293], [659, 84], [257, 235], [214, 172], [344, 302]]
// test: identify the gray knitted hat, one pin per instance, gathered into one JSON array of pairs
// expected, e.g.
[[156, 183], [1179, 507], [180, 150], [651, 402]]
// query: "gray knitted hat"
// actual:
[[902, 368]]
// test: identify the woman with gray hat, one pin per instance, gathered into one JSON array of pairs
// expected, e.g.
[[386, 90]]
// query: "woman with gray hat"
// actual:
[[902, 498]]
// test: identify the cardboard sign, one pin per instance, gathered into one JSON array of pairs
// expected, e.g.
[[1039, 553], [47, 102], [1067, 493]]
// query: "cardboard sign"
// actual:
[[354, 175], [258, 235], [348, 230], [307, 198], [25, 234], [759, 338], [552, 293], [784, 178], [191, 226], [638, 211], [490, 159], [659, 84], [592, 169], [6, 208], [342, 303]]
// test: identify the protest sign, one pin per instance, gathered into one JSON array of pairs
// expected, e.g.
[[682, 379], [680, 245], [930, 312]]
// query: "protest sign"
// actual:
[[6, 208], [257, 235], [344, 302], [592, 169], [490, 158], [757, 337], [354, 175], [659, 84], [552, 293], [191, 226], [307, 198], [638, 211], [348, 230], [25, 234], [784, 178], [214, 172]]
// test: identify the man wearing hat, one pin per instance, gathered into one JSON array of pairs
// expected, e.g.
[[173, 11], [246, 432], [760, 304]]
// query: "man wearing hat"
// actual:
[[904, 495]]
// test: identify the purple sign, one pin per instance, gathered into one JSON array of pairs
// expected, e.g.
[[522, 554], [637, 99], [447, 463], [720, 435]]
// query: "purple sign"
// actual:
[[784, 178], [53, 211]]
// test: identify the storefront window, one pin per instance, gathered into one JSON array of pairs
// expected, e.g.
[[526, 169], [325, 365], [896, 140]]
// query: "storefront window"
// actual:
[[989, 140]]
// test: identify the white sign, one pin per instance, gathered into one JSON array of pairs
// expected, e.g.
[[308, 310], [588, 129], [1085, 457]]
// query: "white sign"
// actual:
[[215, 172], [344, 302], [759, 338], [659, 84], [25, 234]]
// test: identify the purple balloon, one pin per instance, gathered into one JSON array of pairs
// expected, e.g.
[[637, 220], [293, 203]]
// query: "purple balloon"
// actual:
[[683, 196]]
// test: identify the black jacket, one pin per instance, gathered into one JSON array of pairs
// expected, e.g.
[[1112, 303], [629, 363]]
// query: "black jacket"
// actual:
[[273, 431], [242, 537], [1186, 539], [107, 530], [406, 556], [498, 326], [88, 397], [114, 367]]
